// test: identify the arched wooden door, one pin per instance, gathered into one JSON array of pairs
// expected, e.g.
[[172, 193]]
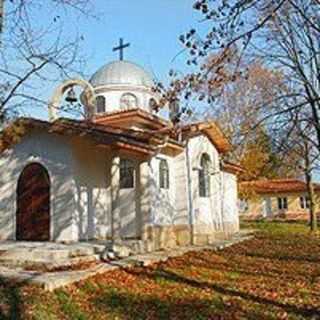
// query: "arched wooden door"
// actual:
[[33, 204]]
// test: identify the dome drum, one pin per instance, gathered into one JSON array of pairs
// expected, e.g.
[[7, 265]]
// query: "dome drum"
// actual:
[[123, 85]]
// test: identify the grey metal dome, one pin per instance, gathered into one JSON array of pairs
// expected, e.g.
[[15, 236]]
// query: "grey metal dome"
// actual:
[[123, 73]]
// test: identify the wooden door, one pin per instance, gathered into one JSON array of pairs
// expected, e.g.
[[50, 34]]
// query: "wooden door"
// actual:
[[33, 204]]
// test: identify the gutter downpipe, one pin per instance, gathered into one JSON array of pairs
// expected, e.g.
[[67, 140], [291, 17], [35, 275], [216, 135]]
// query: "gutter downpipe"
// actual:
[[190, 203]]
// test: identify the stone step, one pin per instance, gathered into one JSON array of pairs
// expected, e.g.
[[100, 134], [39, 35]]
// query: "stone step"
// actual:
[[49, 264], [134, 246], [41, 254], [21, 254]]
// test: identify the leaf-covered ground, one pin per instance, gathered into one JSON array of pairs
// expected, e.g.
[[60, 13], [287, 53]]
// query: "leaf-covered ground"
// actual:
[[274, 276]]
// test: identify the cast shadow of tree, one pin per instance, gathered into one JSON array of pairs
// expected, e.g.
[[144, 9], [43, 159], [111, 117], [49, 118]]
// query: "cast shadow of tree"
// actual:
[[125, 305], [11, 301], [230, 292]]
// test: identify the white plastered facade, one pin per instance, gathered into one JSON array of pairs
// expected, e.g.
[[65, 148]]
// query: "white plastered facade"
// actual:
[[86, 201], [85, 194]]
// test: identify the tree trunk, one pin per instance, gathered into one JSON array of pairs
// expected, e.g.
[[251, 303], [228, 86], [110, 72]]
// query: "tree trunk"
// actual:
[[312, 209], [315, 118], [310, 187], [310, 190]]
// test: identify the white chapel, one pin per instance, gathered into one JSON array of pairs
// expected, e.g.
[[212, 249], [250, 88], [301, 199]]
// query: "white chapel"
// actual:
[[123, 174]]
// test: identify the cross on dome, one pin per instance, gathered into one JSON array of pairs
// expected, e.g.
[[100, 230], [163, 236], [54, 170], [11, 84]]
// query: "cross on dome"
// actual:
[[121, 48]]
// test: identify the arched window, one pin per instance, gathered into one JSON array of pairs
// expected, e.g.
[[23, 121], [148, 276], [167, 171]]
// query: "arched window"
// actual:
[[204, 176], [164, 174], [153, 104], [101, 104], [126, 174], [128, 101]]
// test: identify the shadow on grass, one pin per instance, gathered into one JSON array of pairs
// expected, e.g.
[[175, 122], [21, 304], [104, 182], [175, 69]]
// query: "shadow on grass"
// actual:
[[284, 257], [10, 300], [289, 308], [123, 304], [232, 265]]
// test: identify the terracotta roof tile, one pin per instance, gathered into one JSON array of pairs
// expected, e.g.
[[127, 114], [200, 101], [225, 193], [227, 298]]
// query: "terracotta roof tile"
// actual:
[[120, 115], [101, 134], [231, 167], [207, 128], [144, 141], [276, 185]]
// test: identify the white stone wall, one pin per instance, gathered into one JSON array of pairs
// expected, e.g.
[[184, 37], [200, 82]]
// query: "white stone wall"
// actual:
[[91, 175], [163, 201], [80, 185], [171, 207], [127, 204], [129, 207], [230, 212], [206, 210], [81, 189], [57, 160], [179, 169]]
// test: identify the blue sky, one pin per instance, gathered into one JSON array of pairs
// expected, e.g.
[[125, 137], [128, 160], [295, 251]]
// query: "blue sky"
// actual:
[[152, 28]]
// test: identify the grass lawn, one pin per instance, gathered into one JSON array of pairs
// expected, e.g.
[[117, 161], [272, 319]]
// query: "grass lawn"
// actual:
[[274, 276]]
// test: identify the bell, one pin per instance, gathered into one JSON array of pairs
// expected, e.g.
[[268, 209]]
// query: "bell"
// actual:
[[71, 96]]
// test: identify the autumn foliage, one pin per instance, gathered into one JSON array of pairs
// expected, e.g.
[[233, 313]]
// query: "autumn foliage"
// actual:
[[273, 276]]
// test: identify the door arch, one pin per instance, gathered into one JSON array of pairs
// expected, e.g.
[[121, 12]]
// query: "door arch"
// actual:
[[33, 204]]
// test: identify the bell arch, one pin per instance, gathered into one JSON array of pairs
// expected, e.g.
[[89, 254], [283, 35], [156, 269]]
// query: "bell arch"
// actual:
[[87, 97]]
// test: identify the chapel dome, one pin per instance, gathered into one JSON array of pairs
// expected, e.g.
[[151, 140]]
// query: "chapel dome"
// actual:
[[121, 73]]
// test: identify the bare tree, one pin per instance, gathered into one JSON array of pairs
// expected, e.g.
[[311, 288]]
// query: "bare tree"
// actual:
[[1, 15], [283, 34], [296, 139], [37, 49], [291, 43]]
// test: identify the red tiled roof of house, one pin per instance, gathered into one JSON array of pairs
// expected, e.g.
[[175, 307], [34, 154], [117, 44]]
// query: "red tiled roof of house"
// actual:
[[276, 185]]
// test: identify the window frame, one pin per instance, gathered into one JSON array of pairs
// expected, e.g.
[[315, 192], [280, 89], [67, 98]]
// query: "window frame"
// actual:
[[98, 105], [304, 202], [204, 181], [282, 203], [126, 174], [164, 174], [152, 103], [122, 107]]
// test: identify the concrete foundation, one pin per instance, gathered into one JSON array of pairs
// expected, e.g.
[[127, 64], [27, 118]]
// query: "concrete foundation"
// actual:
[[52, 280], [172, 236]]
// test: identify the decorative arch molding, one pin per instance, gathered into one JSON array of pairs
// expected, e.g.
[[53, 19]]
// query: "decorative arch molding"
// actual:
[[87, 97], [128, 100]]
